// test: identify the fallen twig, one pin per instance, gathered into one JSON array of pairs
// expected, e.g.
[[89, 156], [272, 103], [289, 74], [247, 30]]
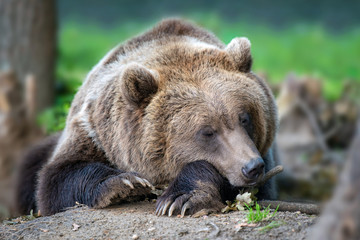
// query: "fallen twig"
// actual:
[[274, 171], [308, 208], [285, 206]]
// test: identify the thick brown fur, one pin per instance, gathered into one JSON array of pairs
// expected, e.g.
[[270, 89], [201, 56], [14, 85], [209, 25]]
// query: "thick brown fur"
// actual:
[[165, 99]]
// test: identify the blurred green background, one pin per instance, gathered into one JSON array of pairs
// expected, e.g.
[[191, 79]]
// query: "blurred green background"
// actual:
[[315, 38]]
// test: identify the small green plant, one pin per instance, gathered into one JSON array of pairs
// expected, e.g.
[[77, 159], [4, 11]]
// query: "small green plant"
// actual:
[[258, 215], [273, 224]]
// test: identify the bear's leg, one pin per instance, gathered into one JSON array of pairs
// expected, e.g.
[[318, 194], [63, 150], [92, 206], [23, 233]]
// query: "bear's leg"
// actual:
[[33, 161], [198, 186], [95, 184]]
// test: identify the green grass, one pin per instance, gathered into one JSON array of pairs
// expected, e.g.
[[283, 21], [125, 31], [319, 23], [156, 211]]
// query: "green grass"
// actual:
[[53, 119], [257, 215], [271, 225], [304, 49]]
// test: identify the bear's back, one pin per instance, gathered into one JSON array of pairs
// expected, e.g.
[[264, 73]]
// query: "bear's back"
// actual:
[[164, 30], [142, 49]]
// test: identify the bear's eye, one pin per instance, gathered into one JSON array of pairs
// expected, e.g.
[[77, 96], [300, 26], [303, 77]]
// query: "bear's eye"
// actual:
[[207, 132], [244, 119]]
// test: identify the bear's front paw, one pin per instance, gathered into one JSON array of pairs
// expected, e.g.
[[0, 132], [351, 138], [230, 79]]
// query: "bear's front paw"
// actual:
[[122, 187], [188, 203]]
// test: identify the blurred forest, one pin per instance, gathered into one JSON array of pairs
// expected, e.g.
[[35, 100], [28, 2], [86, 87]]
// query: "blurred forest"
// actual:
[[309, 52]]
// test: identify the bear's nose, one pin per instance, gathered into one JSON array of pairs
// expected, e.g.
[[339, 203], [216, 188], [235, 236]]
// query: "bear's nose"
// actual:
[[254, 168]]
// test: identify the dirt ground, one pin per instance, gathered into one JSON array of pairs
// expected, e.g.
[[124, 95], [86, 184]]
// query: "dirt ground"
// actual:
[[138, 221]]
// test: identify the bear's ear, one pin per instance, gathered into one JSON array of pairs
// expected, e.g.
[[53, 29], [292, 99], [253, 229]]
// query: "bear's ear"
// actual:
[[239, 50], [138, 84]]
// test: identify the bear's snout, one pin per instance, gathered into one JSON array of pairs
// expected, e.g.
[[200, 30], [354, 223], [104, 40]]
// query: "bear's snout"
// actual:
[[254, 168]]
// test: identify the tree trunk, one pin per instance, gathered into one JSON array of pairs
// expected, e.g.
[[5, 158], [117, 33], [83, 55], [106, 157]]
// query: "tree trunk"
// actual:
[[28, 43], [27, 61], [341, 217]]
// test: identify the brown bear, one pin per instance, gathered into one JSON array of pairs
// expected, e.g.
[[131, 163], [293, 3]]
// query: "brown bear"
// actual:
[[172, 106]]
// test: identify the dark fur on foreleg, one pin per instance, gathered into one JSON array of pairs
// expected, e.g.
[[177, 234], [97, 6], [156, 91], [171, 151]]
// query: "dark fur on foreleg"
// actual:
[[198, 186], [32, 162], [97, 185]]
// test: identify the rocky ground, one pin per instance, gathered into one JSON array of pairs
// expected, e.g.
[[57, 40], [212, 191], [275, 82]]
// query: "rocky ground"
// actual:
[[138, 221]]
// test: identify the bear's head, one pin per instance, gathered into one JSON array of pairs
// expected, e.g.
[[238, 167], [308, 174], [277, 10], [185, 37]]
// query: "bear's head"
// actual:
[[198, 102]]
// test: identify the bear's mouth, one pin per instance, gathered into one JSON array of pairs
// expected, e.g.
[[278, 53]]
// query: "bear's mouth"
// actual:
[[251, 184], [255, 182], [240, 181]]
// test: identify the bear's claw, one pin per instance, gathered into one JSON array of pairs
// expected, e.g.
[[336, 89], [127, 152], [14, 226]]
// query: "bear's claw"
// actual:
[[195, 189], [123, 186], [188, 203], [127, 182], [179, 204], [162, 208], [144, 182], [131, 178], [171, 205]]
